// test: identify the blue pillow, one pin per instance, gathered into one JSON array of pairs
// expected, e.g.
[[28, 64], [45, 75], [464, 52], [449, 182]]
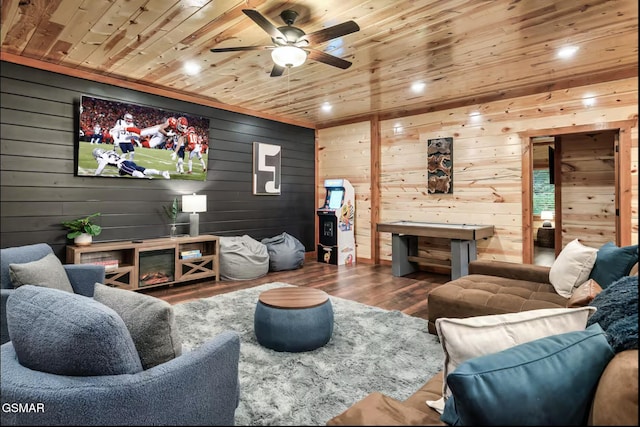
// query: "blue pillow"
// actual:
[[612, 263], [549, 381], [67, 334], [617, 313]]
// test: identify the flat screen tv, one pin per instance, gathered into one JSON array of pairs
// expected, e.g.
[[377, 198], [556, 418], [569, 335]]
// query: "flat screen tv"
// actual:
[[122, 140]]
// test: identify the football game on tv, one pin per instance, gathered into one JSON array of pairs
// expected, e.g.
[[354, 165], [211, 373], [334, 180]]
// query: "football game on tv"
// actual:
[[122, 140]]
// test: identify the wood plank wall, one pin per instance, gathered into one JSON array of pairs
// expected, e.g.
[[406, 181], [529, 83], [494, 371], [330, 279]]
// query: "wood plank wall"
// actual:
[[487, 177], [39, 189], [345, 152]]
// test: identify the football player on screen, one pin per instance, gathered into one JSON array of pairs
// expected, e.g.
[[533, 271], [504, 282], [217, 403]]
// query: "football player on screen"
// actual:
[[125, 167], [194, 147], [125, 134]]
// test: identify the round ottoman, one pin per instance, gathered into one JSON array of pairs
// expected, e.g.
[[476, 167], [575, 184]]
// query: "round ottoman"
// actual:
[[293, 319]]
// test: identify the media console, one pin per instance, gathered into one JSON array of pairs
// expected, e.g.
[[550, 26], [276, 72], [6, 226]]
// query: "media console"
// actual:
[[148, 263]]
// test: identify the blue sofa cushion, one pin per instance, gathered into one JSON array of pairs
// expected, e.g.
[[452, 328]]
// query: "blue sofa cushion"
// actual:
[[617, 313], [549, 381], [613, 263], [47, 271], [150, 321], [67, 334]]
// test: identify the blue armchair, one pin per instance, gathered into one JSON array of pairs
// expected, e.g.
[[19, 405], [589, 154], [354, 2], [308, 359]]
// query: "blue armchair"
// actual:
[[82, 276]]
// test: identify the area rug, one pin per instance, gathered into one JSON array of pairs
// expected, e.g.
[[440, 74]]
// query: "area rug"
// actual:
[[371, 349]]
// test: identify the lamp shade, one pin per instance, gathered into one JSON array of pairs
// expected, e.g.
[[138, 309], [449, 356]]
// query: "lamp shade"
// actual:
[[546, 215], [288, 56], [194, 203]]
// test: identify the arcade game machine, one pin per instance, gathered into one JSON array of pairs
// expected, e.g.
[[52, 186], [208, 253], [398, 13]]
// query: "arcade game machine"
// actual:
[[336, 227]]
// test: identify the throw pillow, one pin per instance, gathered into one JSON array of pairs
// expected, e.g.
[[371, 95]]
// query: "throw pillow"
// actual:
[[613, 262], [47, 271], [150, 321], [572, 267], [584, 294], [549, 381], [68, 334], [618, 313], [463, 339]]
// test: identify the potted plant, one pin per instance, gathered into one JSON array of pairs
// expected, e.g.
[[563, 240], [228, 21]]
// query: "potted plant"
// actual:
[[172, 212], [82, 230]]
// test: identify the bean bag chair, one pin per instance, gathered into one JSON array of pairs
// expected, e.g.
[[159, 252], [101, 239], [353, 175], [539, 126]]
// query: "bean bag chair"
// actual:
[[242, 258], [285, 252]]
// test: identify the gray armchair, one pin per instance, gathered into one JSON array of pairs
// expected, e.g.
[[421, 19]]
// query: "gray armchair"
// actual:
[[72, 360], [82, 276], [200, 387]]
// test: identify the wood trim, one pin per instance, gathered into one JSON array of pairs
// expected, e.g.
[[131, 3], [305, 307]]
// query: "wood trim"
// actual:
[[376, 154], [557, 179], [127, 83], [622, 157], [316, 220], [527, 201]]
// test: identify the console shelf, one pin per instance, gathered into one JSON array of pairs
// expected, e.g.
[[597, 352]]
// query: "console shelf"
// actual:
[[152, 262]]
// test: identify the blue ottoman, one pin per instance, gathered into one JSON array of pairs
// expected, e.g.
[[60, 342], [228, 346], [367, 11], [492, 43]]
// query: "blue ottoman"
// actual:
[[293, 319]]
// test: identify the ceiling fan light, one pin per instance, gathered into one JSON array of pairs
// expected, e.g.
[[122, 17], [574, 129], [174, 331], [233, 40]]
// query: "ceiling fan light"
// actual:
[[288, 56]]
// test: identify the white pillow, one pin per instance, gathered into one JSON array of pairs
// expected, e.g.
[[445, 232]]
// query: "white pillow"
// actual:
[[572, 267], [463, 339]]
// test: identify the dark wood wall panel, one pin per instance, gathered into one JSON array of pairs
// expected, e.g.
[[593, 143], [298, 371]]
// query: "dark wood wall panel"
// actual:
[[39, 189]]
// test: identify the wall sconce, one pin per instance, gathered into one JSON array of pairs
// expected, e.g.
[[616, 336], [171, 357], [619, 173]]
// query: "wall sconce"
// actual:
[[288, 56], [194, 203], [546, 216]]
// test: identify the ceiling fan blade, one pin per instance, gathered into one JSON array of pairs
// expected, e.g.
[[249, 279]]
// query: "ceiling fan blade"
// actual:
[[265, 24], [320, 56], [277, 70], [332, 32], [239, 48]]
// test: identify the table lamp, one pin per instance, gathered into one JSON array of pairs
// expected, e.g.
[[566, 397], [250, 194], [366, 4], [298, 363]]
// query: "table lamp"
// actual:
[[546, 216], [194, 203]]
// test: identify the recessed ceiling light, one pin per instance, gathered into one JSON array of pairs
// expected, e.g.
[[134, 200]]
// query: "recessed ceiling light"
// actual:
[[567, 52], [418, 87], [192, 68], [326, 107], [589, 100]]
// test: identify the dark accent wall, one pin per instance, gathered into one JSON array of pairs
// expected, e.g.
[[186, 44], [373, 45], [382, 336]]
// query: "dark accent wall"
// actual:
[[39, 190]]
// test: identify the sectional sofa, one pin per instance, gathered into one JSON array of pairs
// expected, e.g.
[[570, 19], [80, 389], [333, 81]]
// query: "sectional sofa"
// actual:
[[495, 288]]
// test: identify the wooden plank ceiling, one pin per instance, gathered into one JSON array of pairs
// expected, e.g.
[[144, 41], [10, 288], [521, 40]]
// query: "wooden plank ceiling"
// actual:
[[465, 51]]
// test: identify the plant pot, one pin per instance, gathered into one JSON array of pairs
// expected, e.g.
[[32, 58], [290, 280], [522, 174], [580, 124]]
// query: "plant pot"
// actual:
[[83, 240]]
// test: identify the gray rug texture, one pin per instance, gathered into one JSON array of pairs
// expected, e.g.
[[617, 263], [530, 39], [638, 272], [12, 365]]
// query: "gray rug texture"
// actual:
[[371, 349]]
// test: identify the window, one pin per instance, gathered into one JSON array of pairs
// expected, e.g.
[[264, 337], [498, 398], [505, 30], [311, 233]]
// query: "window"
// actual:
[[543, 193]]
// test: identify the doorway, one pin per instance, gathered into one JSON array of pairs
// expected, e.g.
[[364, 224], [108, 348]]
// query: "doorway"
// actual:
[[592, 196]]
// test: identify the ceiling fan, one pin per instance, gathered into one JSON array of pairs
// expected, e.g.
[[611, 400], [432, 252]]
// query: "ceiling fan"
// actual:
[[291, 45]]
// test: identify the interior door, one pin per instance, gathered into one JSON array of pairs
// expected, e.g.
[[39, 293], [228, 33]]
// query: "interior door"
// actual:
[[587, 172], [586, 183]]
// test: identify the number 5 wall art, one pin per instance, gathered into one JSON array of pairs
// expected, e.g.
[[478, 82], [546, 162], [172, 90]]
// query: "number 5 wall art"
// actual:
[[266, 169]]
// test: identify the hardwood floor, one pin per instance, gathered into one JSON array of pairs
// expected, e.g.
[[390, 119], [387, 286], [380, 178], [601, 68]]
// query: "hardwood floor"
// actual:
[[365, 283]]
